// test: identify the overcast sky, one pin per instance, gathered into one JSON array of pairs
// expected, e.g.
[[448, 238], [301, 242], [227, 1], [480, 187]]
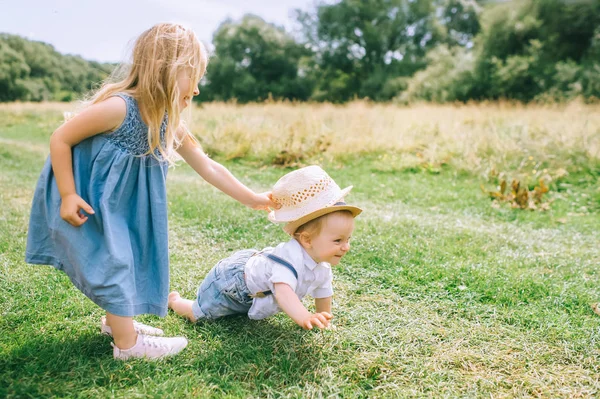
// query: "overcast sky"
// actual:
[[102, 30]]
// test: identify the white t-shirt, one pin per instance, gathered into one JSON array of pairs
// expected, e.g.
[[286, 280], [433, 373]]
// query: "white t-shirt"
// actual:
[[314, 278]]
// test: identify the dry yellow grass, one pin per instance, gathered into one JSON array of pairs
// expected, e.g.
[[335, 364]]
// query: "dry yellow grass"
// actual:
[[37, 107], [480, 138], [524, 141]]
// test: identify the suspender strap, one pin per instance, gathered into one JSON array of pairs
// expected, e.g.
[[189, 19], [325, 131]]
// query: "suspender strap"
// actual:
[[282, 262]]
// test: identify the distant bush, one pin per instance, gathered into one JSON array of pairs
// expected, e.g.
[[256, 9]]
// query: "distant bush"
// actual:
[[522, 53], [448, 77], [35, 71]]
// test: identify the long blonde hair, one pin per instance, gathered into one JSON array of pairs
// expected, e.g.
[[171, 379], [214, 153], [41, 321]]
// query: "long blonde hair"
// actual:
[[158, 55]]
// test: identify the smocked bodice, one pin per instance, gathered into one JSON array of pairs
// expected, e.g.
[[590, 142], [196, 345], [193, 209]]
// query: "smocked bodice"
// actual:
[[132, 135]]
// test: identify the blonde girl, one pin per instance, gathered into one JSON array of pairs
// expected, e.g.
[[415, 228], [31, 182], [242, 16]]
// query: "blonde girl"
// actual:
[[99, 211]]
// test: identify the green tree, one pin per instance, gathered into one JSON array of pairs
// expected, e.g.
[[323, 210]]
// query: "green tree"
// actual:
[[526, 50], [35, 71], [254, 60], [521, 47], [362, 47], [13, 69], [447, 78]]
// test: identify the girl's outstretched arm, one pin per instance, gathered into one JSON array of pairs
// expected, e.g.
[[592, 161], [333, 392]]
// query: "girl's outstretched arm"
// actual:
[[98, 118], [217, 175]]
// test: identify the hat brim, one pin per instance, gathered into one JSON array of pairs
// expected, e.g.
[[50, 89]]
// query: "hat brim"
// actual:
[[280, 216], [292, 226]]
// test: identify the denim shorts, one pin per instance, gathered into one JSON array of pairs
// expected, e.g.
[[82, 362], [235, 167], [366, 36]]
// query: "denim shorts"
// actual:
[[224, 291]]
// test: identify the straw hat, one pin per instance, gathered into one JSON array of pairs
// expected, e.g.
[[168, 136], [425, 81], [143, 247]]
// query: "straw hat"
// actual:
[[304, 195]]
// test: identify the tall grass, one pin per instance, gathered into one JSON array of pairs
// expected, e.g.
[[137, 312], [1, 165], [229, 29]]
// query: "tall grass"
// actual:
[[534, 141], [528, 140]]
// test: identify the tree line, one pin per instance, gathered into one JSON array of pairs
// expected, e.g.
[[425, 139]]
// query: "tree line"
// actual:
[[35, 71], [383, 50]]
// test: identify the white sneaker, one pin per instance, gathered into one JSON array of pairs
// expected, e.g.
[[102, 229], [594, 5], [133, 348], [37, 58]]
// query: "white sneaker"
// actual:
[[138, 327], [151, 347]]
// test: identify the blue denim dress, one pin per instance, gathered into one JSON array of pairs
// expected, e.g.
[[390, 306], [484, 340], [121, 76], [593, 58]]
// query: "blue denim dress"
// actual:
[[119, 257]]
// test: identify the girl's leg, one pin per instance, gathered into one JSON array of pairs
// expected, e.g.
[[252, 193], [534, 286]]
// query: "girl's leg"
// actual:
[[123, 332], [129, 344], [181, 306]]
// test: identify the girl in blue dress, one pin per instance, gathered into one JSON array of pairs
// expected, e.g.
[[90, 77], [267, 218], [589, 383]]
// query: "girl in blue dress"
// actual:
[[99, 211]]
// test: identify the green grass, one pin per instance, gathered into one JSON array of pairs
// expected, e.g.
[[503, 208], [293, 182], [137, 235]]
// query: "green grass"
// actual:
[[442, 295]]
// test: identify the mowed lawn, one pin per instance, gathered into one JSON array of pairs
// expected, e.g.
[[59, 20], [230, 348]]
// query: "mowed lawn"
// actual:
[[443, 294]]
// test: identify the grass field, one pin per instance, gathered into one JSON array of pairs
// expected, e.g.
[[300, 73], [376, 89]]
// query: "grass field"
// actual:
[[443, 294]]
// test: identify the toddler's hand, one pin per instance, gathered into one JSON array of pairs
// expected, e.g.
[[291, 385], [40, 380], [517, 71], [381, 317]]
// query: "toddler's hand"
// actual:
[[320, 320], [70, 210], [264, 202]]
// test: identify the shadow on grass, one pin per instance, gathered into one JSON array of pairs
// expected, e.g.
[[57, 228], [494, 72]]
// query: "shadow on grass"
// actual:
[[233, 355], [274, 352], [47, 365]]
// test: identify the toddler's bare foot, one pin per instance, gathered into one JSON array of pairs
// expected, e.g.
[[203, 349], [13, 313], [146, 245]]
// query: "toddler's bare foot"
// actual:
[[181, 306], [173, 297]]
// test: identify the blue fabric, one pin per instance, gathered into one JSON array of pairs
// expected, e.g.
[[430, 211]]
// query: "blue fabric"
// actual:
[[119, 257], [223, 291], [282, 262]]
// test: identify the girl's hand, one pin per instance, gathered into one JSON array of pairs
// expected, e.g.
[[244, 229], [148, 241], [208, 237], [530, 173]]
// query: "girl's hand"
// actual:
[[70, 210], [320, 320], [264, 202]]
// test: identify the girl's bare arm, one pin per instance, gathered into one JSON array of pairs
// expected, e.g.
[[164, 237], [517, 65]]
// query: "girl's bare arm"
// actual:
[[98, 118], [217, 175]]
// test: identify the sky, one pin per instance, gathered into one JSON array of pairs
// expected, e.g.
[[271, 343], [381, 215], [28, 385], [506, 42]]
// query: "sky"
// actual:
[[105, 30]]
